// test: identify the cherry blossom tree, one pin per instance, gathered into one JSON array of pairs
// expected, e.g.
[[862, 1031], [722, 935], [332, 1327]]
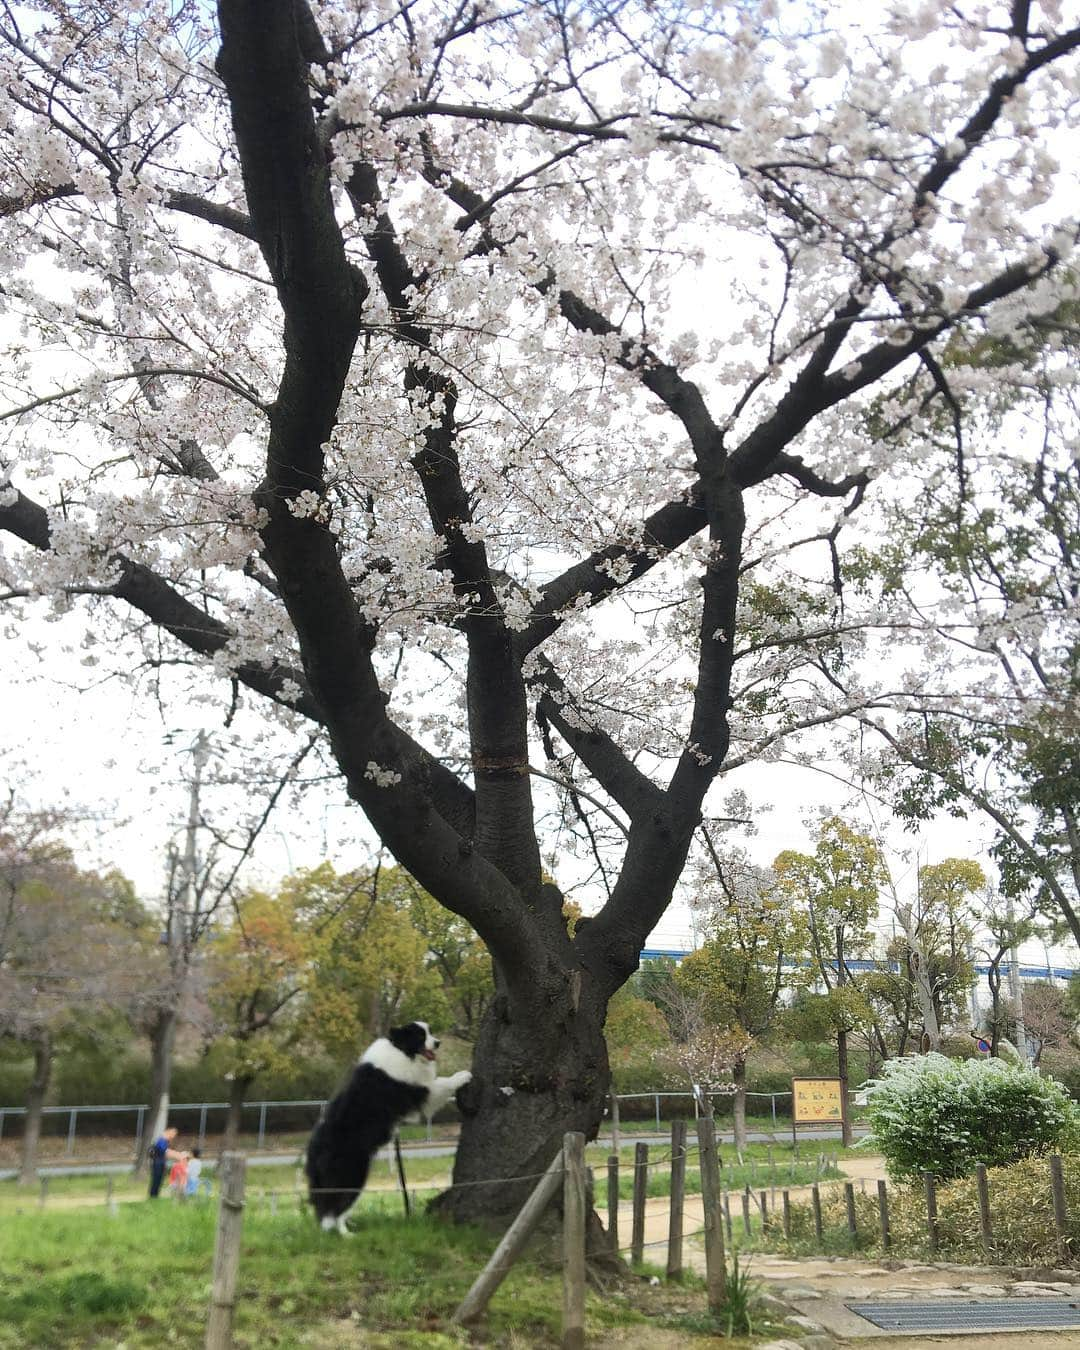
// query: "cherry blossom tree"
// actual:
[[484, 384], [72, 953]]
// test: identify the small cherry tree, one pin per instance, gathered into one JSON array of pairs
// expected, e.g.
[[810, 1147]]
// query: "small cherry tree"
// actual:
[[73, 955]]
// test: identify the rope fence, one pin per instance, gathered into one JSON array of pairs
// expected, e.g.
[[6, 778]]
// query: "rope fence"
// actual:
[[567, 1171]]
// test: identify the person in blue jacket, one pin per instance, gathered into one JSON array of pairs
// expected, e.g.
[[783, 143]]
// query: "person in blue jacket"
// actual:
[[161, 1154]]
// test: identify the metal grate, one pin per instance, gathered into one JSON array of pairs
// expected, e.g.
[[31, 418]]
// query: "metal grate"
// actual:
[[1004, 1314]]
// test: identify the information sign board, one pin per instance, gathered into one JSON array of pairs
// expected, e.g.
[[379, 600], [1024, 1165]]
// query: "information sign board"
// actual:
[[816, 1101]]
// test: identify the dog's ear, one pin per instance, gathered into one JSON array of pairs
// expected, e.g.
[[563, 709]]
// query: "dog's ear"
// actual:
[[409, 1039]]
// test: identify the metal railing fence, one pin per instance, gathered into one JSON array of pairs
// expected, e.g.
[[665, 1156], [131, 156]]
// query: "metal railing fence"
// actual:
[[265, 1120]]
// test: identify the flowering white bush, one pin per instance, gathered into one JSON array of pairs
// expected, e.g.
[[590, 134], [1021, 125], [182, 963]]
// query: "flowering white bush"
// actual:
[[932, 1114]]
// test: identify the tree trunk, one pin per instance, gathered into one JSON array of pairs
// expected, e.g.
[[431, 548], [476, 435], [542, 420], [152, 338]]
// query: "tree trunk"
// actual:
[[993, 978], [842, 1073], [919, 967], [238, 1089], [162, 1042], [35, 1101], [538, 1072], [841, 1044], [738, 1106]]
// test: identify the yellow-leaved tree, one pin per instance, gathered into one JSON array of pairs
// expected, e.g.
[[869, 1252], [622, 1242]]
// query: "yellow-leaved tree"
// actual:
[[836, 888], [755, 949]]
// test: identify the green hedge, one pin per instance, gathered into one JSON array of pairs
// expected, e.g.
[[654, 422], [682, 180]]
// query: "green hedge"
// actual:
[[932, 1114], [125, 1080]]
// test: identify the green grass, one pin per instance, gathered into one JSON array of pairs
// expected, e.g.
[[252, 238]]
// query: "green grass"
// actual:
[[141, 1279], [424, 1173], [75, 1275], [734, 1178]]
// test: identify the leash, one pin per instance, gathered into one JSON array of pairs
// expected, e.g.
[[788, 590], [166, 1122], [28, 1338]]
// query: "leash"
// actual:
[[401, 1176]]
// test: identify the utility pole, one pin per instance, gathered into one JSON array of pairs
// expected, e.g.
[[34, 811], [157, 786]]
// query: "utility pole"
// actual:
[[181, 919], [200, 753]]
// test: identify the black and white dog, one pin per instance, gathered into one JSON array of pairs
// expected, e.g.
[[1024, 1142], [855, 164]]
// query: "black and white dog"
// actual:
[[394, 1080]]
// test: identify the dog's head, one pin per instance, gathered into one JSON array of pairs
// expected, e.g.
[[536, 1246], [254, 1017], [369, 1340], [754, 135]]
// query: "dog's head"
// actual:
[[415, 1040]]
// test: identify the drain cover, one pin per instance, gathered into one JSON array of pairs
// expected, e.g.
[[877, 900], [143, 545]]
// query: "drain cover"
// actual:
[[1003, 1314]]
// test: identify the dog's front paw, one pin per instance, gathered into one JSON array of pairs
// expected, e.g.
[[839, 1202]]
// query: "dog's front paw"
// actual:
[[459, 1080]]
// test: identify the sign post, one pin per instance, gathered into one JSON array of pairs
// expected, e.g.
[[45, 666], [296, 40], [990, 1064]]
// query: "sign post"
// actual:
[[816, 1101]]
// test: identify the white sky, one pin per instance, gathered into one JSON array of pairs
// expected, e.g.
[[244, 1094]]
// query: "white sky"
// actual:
[[103, 750]]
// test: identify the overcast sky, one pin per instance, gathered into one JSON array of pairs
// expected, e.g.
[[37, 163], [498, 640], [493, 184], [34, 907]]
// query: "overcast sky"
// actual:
[[115, 753]]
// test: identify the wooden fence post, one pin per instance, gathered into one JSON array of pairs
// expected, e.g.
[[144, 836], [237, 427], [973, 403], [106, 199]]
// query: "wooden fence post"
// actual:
[[815, 1202], [614, 1123], [1061, 1216], [985, 1221], [514, 1239], [678, 1192], [763, 1200], [226, 1252], [573, 1325], [883, 1214], [715, 1266], [785, 1198], [727, 1216], [641, 1181], [849, 1204], [746, 1210], [613, 1201], [931, 1211]]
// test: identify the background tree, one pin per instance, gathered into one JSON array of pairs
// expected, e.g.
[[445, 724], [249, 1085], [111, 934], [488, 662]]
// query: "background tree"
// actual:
[[70, 957], [938, 931], [390, 388], [454, 953], [259, 967], [201, 877], [655, 980], [1049, 1020], [1003, 932], [755, 943], [638, 1039], [838, 886], [373, 967], [1006, 550]]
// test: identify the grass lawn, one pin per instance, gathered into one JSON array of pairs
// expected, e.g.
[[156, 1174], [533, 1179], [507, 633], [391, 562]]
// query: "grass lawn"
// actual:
[[140, 1279], [763, 1165]]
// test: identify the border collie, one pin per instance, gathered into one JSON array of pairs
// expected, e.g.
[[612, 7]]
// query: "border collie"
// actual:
[[395, 1080]]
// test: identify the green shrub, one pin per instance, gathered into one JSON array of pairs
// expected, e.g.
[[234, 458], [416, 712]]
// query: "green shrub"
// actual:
[[932, 1114]]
